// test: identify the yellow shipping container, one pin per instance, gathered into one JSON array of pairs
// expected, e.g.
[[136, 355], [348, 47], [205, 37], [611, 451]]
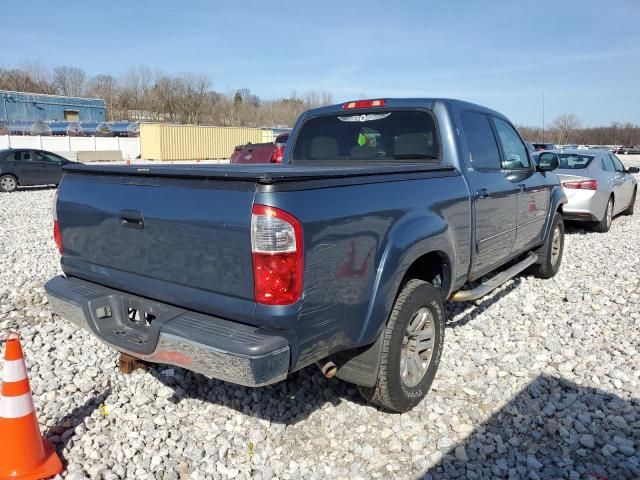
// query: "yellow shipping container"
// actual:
[[191, 142]]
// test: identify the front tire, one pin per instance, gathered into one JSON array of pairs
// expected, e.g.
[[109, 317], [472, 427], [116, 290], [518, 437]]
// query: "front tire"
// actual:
[[631, 207], [551, 254], [8, 183], [413, 342], [604, 225]]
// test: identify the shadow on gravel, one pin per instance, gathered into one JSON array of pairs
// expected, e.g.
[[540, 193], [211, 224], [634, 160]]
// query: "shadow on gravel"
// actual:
[[64, 429], [552, 429], [36, 189], [287, 402], [577, 228]]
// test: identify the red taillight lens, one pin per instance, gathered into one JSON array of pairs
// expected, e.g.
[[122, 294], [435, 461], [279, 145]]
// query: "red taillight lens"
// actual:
[[276, 245], [363, 104], [56, 235], [278, 153], [582, 185]]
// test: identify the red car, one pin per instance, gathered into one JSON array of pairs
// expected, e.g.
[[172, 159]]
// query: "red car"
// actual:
[[261, 152]]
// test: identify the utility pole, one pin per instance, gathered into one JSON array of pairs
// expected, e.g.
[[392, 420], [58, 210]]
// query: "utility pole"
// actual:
[[542, 117]]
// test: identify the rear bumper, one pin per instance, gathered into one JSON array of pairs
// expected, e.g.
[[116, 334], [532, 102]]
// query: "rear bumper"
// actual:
[[584, 205], [205, 344]]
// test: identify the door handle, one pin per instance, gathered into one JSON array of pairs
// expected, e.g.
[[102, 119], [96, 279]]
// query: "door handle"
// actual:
[[131, 218], [522, 187], [482, 193]]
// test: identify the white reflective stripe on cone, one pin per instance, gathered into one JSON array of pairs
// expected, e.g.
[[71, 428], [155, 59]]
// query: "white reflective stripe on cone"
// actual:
[[14, 370], [16, 407]]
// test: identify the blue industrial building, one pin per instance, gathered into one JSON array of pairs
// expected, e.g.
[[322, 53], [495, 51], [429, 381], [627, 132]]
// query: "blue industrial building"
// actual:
[[21, 106]]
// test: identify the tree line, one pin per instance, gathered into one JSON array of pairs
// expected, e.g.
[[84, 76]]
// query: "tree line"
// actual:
[[147, 95], [567, 129]]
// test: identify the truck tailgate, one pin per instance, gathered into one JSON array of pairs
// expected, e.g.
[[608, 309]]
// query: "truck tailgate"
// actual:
[[179, 240]]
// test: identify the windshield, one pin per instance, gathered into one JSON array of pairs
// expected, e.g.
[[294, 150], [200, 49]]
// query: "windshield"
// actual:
[[395, 136], [574, 161]]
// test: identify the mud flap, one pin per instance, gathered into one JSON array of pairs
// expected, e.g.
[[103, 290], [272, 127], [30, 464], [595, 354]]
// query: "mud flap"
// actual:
[[360, 366]]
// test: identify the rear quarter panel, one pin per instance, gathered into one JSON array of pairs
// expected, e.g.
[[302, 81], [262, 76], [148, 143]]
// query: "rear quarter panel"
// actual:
[[359, 241]]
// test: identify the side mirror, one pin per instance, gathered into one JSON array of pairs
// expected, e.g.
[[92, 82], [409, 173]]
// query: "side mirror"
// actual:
[[547, 161], [633, 170]]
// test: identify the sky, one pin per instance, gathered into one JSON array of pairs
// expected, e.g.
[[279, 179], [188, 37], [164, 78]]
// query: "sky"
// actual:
[[582, 55]]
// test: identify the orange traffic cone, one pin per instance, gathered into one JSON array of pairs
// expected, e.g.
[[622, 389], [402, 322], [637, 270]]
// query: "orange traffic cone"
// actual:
[[24, 454]]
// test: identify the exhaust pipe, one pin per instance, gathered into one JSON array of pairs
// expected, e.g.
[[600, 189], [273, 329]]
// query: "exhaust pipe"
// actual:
[[328, 369]]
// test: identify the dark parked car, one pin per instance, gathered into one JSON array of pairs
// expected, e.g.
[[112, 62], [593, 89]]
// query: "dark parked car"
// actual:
[[23, 167], [543, 146], [341, 256], [271, 152], [631, 150]]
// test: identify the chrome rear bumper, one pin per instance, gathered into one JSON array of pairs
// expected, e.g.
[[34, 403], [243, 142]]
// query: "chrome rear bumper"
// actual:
[[205, 344]]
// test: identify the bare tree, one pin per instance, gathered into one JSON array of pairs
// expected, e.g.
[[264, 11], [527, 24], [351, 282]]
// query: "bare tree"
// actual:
[[564, 127], [69, 81], [104, 87]]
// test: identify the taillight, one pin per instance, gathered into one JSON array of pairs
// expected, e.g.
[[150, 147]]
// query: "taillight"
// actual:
[[278, 153], [56, 227], [276, 246], [582, 185], [363, 104], [56, 235]]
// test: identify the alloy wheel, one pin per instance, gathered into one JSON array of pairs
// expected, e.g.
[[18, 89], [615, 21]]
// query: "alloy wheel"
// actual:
[[417, 347]]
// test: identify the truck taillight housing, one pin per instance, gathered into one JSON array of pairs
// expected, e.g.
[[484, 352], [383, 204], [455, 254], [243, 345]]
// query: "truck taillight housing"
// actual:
[[278, 263], [56, 226], [582, 185], [278, 153]]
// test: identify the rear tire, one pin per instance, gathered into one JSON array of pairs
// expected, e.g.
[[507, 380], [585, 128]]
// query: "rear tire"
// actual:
[[631, 207], [413, 342], [550, 255], [8, 183], [604, 225]]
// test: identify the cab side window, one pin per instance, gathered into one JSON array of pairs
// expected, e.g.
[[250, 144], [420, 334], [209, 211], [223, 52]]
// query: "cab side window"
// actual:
[[515, 152], [481, 141]]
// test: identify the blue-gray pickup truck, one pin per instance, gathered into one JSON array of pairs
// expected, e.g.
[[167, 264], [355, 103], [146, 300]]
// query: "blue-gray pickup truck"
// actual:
[[341, 256]]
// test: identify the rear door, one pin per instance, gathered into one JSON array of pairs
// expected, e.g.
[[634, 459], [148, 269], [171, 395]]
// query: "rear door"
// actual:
[[494, 196], [50, 167], [24, 167], [534, 191]]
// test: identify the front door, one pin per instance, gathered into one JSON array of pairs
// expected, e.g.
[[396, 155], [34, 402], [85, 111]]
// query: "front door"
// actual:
[[494, 196], [534, 192], [622, 186]]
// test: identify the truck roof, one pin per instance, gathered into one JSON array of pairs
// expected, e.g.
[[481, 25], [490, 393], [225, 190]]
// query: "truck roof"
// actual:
[[452, 103]]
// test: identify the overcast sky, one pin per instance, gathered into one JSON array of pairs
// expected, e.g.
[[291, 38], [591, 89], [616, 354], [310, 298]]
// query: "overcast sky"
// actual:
[[583, 54]]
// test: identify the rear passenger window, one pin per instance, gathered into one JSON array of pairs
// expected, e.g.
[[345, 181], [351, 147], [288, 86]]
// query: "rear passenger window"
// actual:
[[20, 157], [607, 164], [617, 163], [481, 142], [515, 153]]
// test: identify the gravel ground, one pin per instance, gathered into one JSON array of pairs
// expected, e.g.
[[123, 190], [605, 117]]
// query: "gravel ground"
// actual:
[[542, 380]]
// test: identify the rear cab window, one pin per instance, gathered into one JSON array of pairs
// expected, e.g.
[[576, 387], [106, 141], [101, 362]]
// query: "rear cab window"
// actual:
[[384, 136]]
